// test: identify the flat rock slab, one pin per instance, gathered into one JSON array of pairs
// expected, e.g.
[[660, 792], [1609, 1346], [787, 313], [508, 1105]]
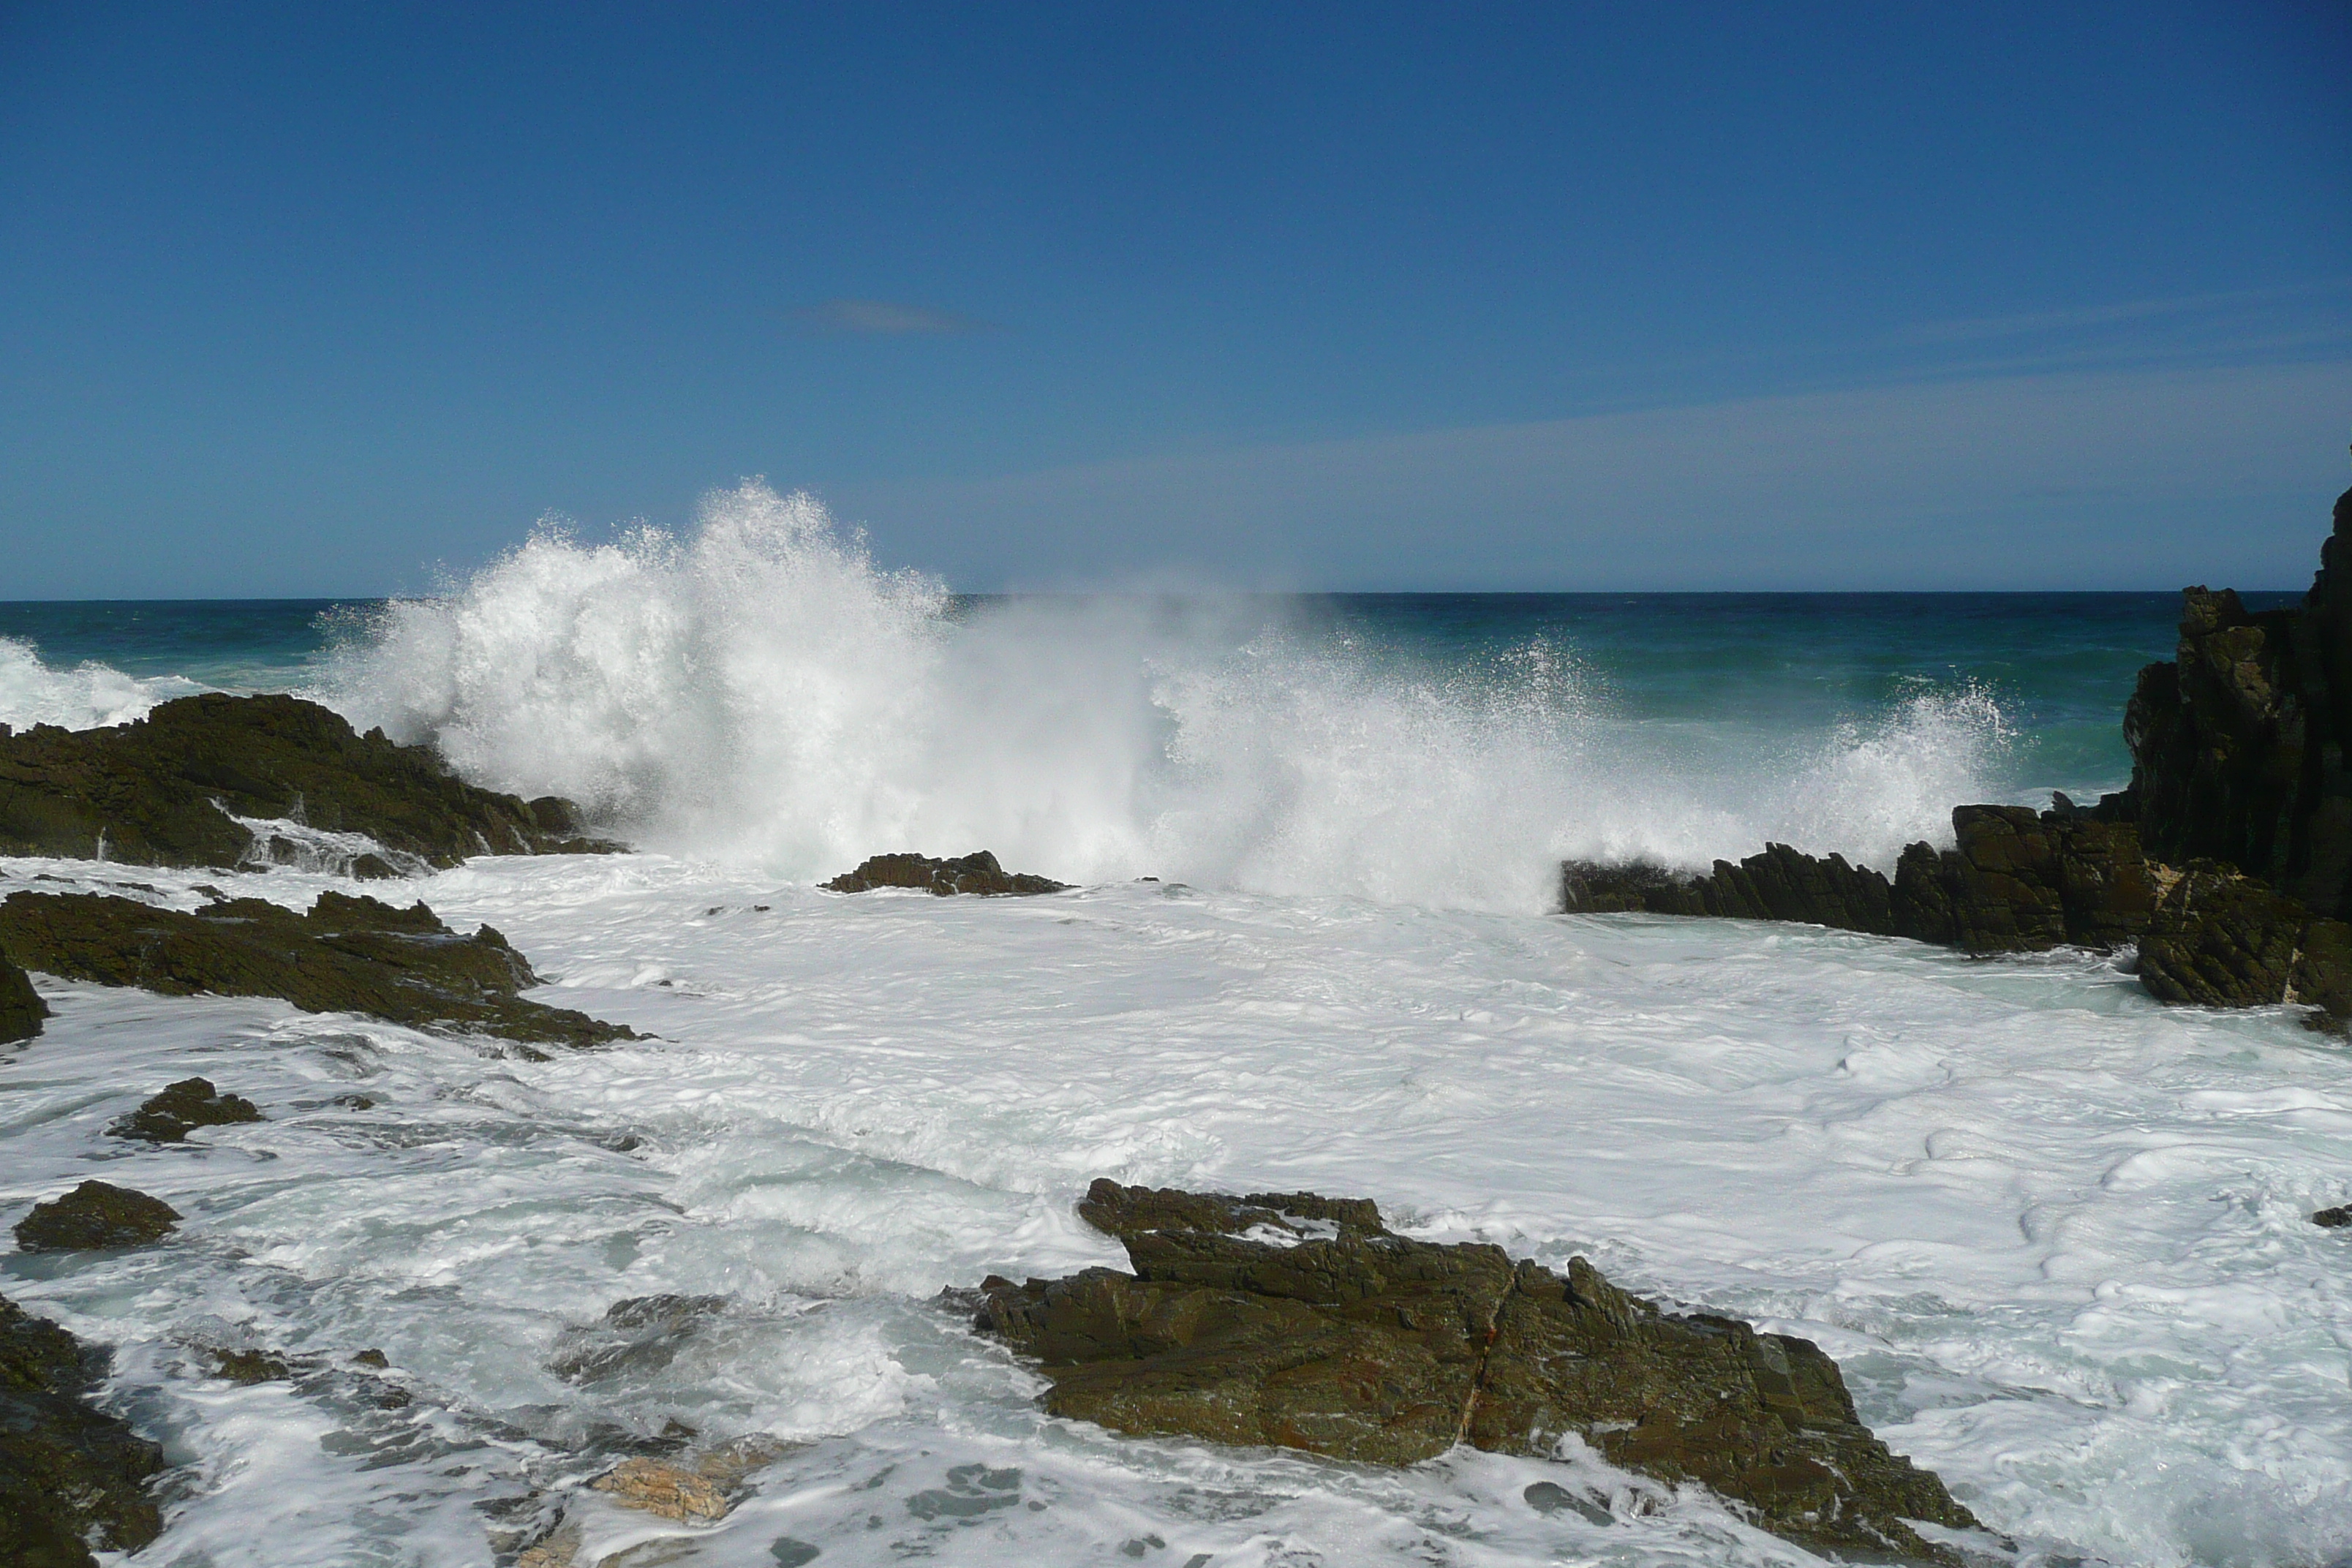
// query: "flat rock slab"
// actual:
[[161, 791], [976, 873], [346, 954], [96, 1214], [1301, 1321], [182, 1108], [69, 1473]]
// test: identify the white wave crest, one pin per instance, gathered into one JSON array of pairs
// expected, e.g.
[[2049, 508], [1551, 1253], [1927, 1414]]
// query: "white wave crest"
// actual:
[[85, 697], [762, 690]]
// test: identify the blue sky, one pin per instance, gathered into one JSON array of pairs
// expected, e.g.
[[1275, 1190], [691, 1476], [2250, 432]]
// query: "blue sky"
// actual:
[[326, 299]]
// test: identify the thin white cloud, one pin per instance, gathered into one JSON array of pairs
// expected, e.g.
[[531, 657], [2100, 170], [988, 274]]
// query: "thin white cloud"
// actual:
[[2235, 302], [2116, 478], [880, 318]]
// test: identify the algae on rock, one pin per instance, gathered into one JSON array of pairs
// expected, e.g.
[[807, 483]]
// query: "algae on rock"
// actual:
[[347, 954], [93, 1217], [67, 1472], [1303, 1322], [162, 790]]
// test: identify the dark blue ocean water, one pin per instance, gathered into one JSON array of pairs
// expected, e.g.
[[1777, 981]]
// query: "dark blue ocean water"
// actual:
[[2058, 666]]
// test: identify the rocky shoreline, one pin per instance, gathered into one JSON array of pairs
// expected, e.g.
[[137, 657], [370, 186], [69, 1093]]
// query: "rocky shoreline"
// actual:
[[1295, 1320], [2227, 862]]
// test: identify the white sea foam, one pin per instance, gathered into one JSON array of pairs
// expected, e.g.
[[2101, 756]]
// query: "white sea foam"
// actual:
[[81, 698], [763, 692], [2055, 1235]]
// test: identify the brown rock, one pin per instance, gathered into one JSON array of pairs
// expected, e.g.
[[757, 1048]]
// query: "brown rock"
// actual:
[[96, 1214], [69, 1473], [170, 1116], [1301, 1321], [976, 873], [21, 1008]]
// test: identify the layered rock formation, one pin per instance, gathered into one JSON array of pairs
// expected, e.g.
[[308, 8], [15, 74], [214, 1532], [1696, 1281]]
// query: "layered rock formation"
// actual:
[[2228, 861], [162, 790], [69, 1473], [346, 954], [976, 873], [1303, 1322], [2238, 744]]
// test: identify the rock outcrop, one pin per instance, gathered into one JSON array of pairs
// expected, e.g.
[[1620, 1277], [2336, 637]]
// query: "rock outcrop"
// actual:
[[179, 1109], [1303, 1322], [2019, 881], [346, 954], [21, 1008], [163, 791], [69, 1473], [976, 873], [96, 1216]]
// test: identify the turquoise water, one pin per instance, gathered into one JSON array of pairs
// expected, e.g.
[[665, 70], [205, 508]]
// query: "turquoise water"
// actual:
[[2058, 666]]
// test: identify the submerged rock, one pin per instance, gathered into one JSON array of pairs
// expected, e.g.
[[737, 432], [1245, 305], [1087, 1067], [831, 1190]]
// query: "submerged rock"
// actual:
[[69, 1473], [346, 954], [193, 1103], [1303, 1322], [641, 1335], [975, 873], [161, 791], [21, 1008], [96, 1214]]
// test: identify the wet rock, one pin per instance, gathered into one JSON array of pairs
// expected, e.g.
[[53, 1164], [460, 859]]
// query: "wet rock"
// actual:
[[245, 1365], [2221, 939], [161, 791], [2335, 1218], [193, 1103], [1303, 1322], [2019, 881], [21, 1008], [698, 1491], [69, 1473], [640, 1334], [976, 873], [346, 954], [96, 1214]]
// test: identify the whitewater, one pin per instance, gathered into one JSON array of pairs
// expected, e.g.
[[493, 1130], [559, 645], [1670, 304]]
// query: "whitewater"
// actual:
[[2055, 1235]]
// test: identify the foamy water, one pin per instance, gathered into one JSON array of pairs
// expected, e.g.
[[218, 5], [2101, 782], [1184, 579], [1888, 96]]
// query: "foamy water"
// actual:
[[2056, 1235], [761, 692]]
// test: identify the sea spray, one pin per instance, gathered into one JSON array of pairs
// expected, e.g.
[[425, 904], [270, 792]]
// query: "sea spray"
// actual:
[[762, 691]]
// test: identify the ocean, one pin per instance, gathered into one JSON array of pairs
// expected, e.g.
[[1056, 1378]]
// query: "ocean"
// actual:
[[2055, 1235]]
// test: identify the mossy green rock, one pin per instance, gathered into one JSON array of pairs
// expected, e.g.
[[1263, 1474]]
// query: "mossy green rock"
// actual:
[[161, 791], [69, 1474], [1302, 1322], [346, 954], [21, 1008], [193, 1103], [96, 1216]]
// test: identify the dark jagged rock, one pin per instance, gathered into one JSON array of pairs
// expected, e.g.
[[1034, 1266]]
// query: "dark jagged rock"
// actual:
[[2220, 939], [193, 1103], [1303, 1322], [2335, 1218], [977, 873], [159, 791], [21, 1008], [2239, 743], [96, 1216], [347, 954], [69, 1473], [2019, 881]]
